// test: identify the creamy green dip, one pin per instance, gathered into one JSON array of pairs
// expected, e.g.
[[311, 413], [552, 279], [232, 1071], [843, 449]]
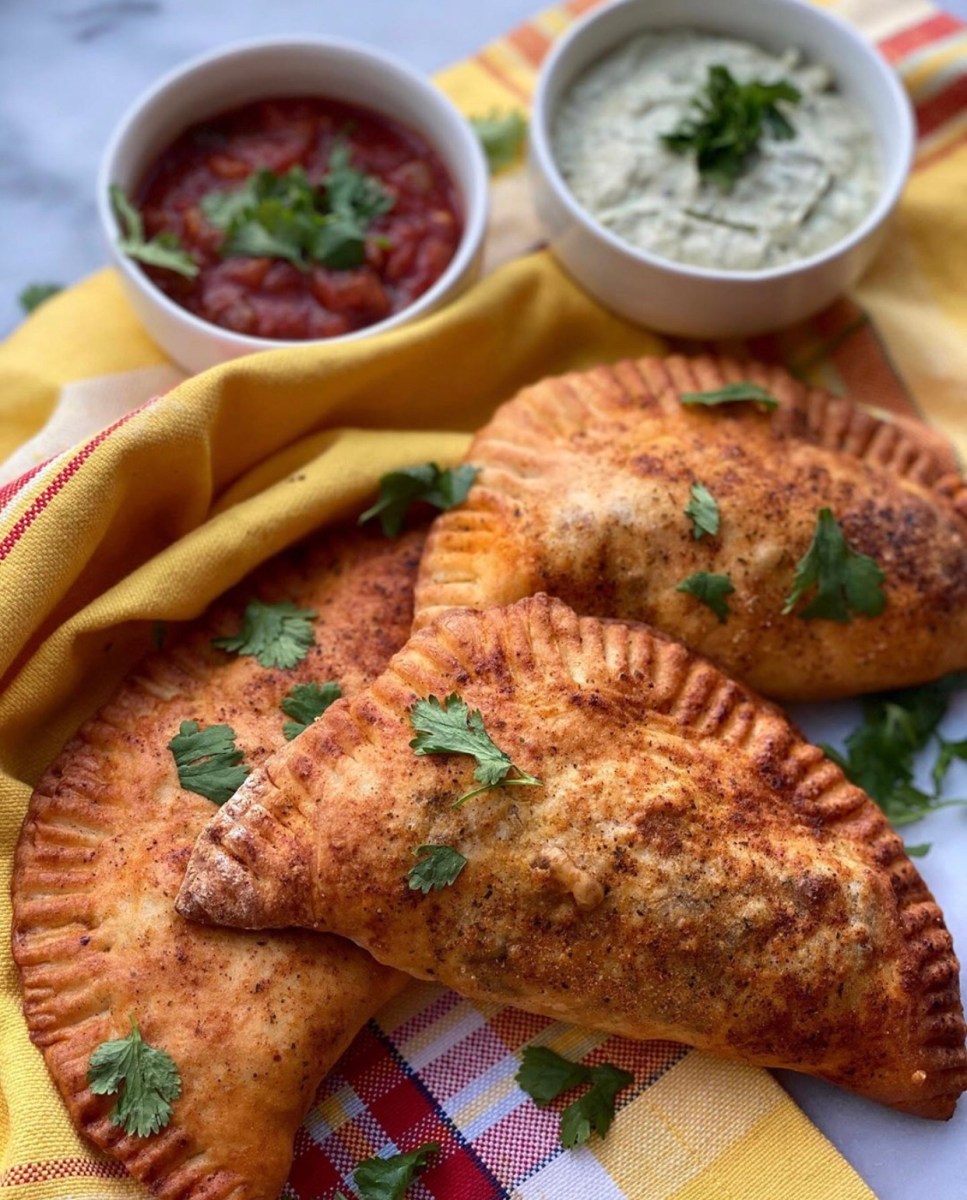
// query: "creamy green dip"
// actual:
[[796, 198]]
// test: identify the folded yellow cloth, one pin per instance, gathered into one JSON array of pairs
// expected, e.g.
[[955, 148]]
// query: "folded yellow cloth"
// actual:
[[178, 499]]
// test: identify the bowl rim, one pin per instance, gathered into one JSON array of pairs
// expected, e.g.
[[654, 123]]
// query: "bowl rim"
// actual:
[[891, 188], [476, 198]]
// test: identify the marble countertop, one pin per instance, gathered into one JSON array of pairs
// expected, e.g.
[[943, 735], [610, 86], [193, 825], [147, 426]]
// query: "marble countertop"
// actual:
[[68, 68]]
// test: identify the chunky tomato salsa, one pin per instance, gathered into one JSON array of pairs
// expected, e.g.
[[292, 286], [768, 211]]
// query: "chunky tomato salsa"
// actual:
[[294, 218]]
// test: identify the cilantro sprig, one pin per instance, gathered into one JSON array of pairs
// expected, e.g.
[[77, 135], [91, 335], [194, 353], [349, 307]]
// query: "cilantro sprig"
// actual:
[[545, 1075], [881, 753], [451, 727], [145, 1076], [288, 217], [732, 393], [427, 482], [731, 120], [208, 761], [35, 294], [846, 581], [703, 511], [388, 1178], [304, 703], [163, 250], [711, 590], [502, 137], [438, 869], [278, 635]]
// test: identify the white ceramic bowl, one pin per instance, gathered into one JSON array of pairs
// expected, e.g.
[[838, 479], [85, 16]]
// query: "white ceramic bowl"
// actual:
[[697, 301], [280, 67]]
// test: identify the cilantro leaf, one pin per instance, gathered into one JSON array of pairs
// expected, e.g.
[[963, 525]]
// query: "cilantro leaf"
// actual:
[[451, 728], [388, 1178], [147, 1075], [703, 511], [399, 489], [881, 752], [732, 393], [711, 590], [502, 137], [304, 703], [948, 752], [846, 582], [544, 1076], [730, 122], [288, 217], [34, 295], [163, 250], [918, 851], [208, 761], [438, 870], [278, 635], [594, 1111]]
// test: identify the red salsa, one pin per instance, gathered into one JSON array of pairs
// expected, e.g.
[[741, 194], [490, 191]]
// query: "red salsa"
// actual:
[[408, 244]]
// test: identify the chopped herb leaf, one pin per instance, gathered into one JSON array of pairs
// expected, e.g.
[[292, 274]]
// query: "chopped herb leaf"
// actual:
[[287, 217], [146, 1077], [208, 761], [163, 250], [918, 851], [278, 635], [732, 393], [426, 482], [502, 137], [451, 728], [948, 752], [703, 511], [846, 582], [544, 1076], [304, 703], [438, 870], [732, 118], [711, 590], [388, 1178], [881, 753], [34, 295]]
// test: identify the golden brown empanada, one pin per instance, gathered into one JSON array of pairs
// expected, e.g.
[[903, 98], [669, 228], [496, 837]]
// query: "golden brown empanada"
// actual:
[[252, 1023], [583, 485], [690, 868]]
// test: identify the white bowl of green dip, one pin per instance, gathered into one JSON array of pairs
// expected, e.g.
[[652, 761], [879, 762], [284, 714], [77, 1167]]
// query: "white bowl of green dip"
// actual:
[[717, 171]]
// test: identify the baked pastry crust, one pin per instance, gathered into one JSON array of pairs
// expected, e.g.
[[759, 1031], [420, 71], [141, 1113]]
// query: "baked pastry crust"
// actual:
[[582, 488], [252, 1023], [691, 868]]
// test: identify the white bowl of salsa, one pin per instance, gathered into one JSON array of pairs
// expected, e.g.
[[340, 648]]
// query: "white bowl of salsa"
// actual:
[[283, 192], [674, 286]]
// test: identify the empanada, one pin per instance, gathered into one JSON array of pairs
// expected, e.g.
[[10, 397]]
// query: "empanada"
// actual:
[[583, 486], [252, 1023], [690, 868]]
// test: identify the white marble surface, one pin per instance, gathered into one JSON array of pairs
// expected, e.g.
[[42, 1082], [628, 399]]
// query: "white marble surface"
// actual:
[[67, 70]]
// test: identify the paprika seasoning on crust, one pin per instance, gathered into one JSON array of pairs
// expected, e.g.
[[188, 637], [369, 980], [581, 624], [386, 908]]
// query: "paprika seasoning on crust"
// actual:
[[305, 218]]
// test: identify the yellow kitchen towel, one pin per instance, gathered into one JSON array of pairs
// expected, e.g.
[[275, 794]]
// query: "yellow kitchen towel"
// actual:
[[161, 506]]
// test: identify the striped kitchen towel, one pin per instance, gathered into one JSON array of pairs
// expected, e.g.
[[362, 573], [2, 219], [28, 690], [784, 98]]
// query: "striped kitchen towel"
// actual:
[[136, 506]]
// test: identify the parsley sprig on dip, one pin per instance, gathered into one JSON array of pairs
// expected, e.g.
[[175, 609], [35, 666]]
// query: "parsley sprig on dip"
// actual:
[[288, 217], [732, 117]]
